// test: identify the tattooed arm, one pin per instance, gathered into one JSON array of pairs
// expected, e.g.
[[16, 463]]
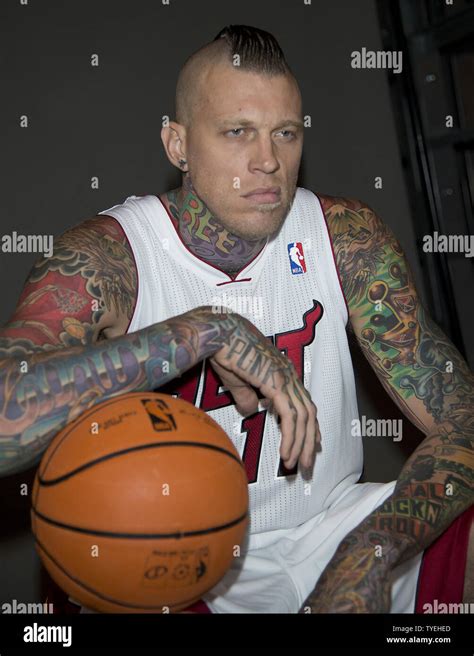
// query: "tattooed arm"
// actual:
[[428, 379], [64, 350]]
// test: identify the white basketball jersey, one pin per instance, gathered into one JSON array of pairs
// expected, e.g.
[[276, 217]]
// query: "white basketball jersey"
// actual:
[[291, 292]]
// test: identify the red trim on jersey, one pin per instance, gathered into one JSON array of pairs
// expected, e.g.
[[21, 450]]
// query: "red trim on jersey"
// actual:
[[333, 255], [443, 566], [198, 607], [232, 278], [136, 267], [228, 282]]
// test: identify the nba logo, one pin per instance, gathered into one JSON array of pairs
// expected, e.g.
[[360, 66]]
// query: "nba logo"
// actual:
[[296, 255], [160, 416]]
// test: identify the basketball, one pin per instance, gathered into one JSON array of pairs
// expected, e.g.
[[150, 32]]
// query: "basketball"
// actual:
[[139, 504]]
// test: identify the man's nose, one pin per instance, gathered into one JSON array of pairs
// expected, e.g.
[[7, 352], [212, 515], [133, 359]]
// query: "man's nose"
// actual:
[[263, 156]]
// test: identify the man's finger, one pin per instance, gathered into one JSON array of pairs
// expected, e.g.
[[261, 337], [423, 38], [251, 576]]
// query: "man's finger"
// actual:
[[312, 436], [301, 429]]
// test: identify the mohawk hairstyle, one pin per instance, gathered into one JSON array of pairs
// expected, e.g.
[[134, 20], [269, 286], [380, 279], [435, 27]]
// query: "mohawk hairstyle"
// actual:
[[258, 50]]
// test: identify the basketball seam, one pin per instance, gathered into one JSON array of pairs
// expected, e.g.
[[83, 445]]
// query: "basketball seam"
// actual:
[[141, 536], [116, 454]]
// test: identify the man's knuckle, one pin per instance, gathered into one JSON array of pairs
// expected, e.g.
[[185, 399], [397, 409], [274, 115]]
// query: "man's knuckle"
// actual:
[[312, 412]]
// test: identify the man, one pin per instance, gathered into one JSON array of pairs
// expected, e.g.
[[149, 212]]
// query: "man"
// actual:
[[134, 299]]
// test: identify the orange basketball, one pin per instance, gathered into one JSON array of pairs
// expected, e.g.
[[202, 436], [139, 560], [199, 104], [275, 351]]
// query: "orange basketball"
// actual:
[[138, 505]]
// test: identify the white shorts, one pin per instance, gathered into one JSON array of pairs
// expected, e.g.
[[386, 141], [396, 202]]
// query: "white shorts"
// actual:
[[280, 568]]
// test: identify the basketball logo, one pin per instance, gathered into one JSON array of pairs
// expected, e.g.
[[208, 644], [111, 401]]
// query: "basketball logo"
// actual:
[[160, 415]]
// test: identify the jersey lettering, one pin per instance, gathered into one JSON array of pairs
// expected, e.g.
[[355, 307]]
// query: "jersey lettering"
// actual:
[[213, 397]]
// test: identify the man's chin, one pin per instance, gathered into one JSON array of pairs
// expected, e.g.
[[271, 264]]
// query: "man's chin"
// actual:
[[265, 229], [267, 208], [256, 222]]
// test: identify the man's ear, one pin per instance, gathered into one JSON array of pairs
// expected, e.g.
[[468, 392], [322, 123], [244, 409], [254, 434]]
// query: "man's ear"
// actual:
[[173, 137]]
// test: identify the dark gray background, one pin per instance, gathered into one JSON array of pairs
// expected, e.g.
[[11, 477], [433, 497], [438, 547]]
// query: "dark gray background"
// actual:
[[106, 121]]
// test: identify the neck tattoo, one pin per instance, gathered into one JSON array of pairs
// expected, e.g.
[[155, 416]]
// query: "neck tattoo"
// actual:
[[203, 233]]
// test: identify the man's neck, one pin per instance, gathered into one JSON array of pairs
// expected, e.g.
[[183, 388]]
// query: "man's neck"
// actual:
[[203, 233]]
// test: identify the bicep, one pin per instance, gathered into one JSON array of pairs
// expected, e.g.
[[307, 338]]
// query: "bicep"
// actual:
[[86, 288]]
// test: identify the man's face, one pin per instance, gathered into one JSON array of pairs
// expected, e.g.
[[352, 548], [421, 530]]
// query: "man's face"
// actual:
[[246, 134]]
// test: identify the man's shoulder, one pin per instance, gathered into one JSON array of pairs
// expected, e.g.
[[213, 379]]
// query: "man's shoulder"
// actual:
[[328, 201], [93, 233], [348, 219], [337, 208], [136, 204], [329, 204]]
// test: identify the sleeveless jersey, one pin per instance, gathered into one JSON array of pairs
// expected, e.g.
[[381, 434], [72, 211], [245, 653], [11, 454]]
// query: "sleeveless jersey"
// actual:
[[291, 292]]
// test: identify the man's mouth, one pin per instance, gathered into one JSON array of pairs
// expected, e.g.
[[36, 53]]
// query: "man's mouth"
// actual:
[[264, 195]]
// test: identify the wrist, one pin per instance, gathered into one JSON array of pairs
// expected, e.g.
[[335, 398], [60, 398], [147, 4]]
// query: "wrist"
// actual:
[[213, 329]]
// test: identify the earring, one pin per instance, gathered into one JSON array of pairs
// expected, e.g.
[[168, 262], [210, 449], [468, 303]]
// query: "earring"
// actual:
[[182, 163]]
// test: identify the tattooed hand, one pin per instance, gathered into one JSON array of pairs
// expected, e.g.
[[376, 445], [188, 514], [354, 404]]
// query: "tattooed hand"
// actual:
[[248, 359]]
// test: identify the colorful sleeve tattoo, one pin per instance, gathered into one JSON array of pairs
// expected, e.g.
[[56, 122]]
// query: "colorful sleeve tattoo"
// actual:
[[431, 383], [55, 362]]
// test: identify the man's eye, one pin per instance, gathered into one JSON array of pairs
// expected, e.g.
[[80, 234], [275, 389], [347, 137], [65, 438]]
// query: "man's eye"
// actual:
[[235, 132], [288, 134]]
